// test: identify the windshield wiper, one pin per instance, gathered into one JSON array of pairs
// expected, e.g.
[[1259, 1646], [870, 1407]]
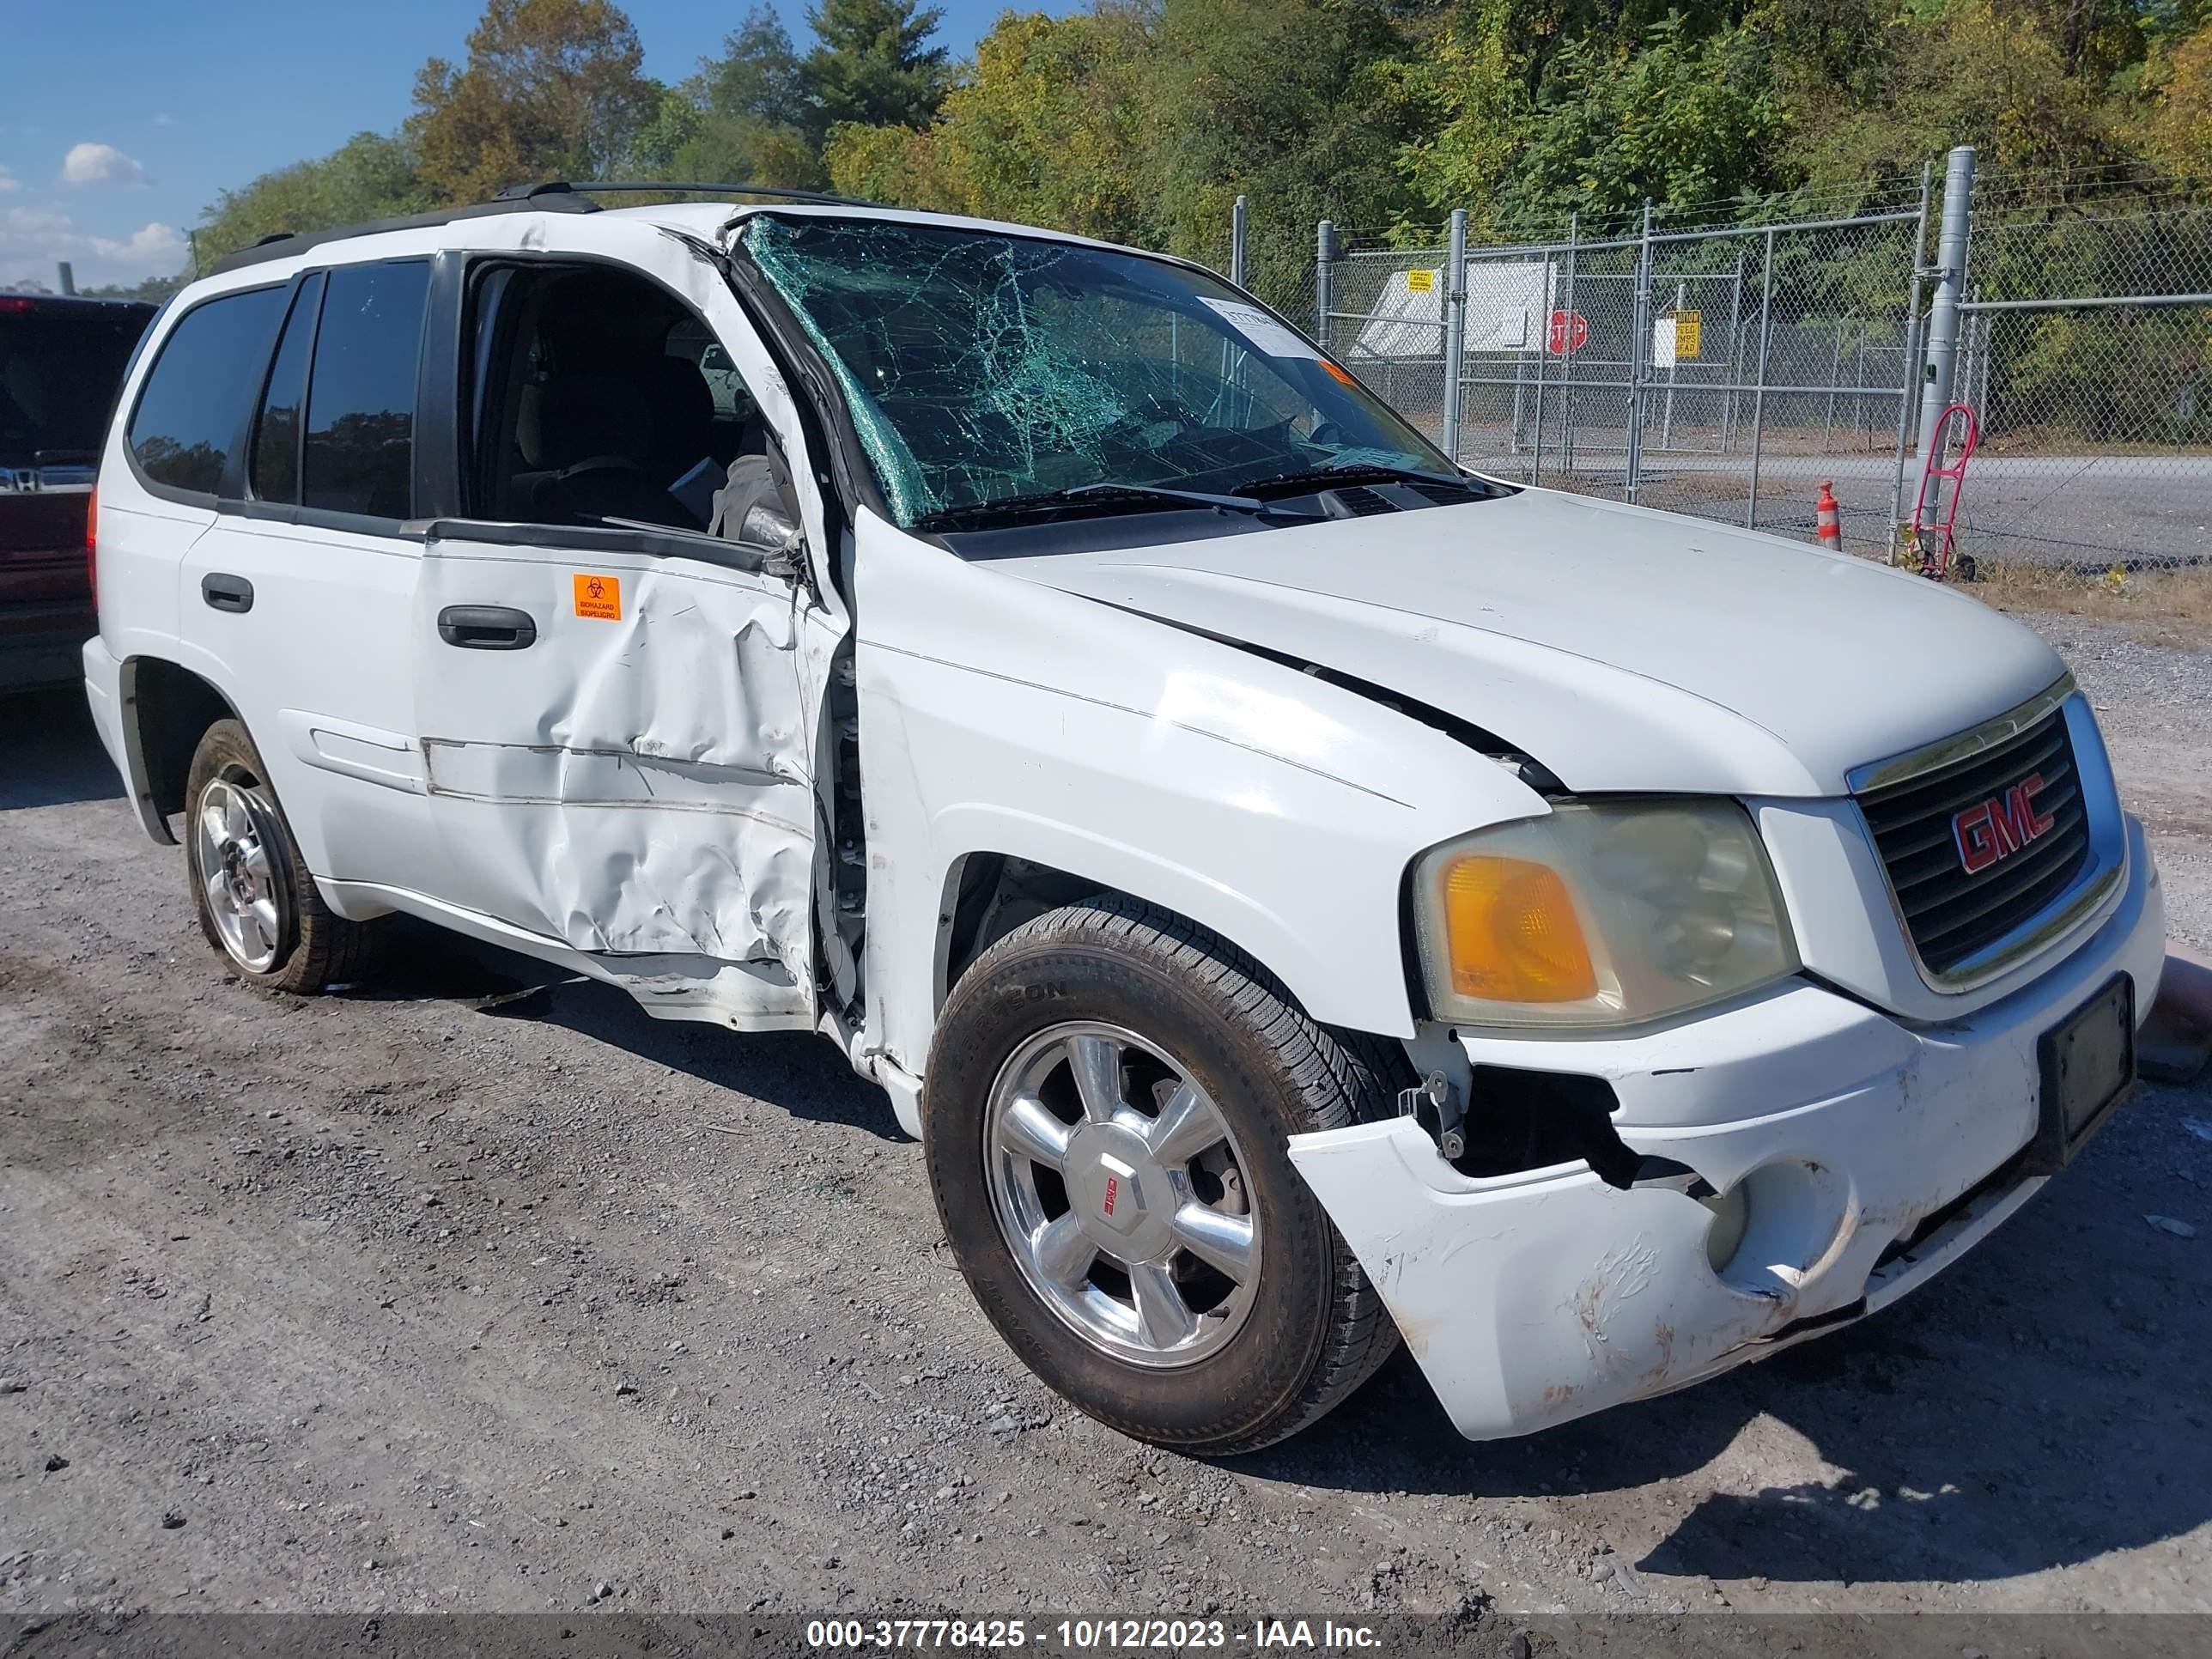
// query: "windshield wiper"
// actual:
[[1099, 497], [1353, 472]]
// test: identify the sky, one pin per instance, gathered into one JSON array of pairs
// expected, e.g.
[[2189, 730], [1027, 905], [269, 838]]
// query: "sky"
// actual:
[[121, 119]]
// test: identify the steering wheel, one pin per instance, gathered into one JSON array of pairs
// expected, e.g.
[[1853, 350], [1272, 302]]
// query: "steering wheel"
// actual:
[[592, 464], [1149, 412]]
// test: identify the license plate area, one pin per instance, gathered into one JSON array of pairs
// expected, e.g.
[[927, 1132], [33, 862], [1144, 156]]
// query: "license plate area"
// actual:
[[2088, 1065]]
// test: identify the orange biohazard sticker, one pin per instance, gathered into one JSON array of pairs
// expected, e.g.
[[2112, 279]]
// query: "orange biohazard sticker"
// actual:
[[599, 597]]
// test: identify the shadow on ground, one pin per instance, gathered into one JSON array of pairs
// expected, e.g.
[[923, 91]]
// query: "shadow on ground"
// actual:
[[54, 754]]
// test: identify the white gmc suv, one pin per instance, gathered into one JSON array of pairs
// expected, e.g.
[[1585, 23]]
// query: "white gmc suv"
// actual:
[[1301, 894]]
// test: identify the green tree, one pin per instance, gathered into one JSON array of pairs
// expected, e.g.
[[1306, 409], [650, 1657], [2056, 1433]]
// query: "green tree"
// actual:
[[1677, 122], [1046, 128], [747, 114], [551, 89], [371, 175], [1304, 105], [872, 63]]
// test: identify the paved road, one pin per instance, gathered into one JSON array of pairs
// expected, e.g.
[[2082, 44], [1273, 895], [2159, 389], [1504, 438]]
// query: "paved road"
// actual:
[[417, 1298], [2089, 511]]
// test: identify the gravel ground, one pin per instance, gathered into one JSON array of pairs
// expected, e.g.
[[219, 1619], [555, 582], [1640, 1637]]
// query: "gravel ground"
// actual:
[[430, 1299]]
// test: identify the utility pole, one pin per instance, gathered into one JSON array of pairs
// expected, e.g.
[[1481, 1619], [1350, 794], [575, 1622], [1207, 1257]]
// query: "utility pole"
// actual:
[[1950, 274]]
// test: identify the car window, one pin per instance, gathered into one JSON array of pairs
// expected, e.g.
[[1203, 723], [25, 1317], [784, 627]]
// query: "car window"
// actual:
[[274, 466], [193, 412], [58, 378], [359, 456], [599, 398]]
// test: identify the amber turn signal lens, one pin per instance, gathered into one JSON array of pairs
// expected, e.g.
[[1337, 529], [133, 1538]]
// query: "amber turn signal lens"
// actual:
[[1512, 931]]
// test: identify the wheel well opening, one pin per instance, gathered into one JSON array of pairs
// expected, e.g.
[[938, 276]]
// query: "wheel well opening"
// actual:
[[989, 894], [174, 708]]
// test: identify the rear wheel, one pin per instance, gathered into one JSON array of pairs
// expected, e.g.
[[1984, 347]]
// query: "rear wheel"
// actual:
[[1106, 1115], [256, 901]]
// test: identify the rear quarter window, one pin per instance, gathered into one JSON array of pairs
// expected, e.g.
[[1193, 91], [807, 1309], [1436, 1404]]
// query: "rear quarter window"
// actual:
[[359, 453], [192, 415]]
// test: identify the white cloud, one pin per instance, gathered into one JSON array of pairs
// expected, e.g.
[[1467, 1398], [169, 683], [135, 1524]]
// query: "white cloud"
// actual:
[[150, 245], [9, 181], [100, 164], [32, 240], [165, 120]]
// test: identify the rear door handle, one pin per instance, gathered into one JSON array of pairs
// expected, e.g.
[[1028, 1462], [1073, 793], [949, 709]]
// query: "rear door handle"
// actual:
[[223, 592], [486, 628]]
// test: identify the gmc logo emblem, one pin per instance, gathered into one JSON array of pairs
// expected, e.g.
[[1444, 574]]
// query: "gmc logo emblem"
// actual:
[[1996, 829], [1113, 1191]]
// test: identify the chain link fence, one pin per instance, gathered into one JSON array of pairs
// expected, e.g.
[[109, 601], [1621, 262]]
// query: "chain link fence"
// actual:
[[2086, 355], [1730, 371]]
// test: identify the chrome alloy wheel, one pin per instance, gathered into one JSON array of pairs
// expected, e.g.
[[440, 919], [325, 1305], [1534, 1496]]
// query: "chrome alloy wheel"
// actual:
[[233, 840], [1123, 1194]]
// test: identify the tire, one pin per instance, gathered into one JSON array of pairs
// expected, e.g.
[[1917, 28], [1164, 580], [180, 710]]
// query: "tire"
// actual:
[[1031, 1019], [257, 904]]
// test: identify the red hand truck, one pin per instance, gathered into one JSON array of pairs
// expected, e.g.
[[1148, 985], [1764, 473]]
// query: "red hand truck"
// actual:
[[1933, 540]]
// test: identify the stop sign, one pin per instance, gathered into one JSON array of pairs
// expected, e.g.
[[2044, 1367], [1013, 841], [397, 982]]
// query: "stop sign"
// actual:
[[1569, 332]]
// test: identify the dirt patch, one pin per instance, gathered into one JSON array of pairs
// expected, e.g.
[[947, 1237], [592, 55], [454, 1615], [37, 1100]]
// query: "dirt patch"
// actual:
[[2165, 607]]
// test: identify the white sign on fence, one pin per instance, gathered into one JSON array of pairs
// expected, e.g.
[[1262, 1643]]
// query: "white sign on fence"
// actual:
[[1507, 304], [1662, 342]]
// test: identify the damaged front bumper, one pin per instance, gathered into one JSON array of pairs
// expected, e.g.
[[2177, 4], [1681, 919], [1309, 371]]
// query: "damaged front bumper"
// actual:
[[1871, 1154]]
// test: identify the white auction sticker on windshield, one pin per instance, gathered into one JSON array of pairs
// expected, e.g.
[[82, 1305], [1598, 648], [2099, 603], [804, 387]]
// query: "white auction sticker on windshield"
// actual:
[[1263, 331]]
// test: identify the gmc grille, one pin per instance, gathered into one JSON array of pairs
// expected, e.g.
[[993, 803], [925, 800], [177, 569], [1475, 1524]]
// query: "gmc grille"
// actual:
[[1950, 911]]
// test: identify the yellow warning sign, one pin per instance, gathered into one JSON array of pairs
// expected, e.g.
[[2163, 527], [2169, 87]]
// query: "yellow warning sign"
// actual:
[[599, 597], [1420, 282], [1688, 327]]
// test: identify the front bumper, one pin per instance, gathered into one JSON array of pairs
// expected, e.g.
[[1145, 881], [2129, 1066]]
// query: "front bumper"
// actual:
[[1533, 1299]]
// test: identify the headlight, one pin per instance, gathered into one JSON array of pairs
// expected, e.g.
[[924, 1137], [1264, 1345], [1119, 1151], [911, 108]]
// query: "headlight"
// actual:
[[1601, 914]]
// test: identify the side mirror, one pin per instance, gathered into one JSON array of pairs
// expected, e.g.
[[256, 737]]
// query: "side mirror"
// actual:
[[716, 361]]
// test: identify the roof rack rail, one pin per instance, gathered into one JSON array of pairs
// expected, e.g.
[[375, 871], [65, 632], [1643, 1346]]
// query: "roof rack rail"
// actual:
[[547, 196], [284, 244], [556, 187]]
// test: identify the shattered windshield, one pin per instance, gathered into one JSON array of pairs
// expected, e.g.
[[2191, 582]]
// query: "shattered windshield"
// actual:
[[984, 369]]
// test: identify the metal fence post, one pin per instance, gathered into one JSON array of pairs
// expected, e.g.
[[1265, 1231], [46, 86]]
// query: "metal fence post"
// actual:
[[1943, 310], [1236, 216], [1567, 355], [1324, 257], [1639, 330], [1759, 381], [1905, 368], [1536, 443], [1454, 328]]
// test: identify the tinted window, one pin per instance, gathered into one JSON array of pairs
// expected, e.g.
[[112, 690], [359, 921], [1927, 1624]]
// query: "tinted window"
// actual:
[[193, 412], [274, 463], [57, 378], [361, 398]]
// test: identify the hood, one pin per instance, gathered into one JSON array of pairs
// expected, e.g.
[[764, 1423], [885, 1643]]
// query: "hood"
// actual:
[[1625, 649]]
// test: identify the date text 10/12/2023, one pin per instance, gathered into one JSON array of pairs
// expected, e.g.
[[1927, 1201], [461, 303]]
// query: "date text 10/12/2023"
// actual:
[[1089, 1635]]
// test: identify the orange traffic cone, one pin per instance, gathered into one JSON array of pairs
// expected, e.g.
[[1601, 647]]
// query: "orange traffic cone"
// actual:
[[1831, 519]]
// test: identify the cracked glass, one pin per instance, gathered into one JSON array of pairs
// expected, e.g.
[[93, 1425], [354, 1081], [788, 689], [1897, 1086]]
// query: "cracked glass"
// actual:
[[982, 367]]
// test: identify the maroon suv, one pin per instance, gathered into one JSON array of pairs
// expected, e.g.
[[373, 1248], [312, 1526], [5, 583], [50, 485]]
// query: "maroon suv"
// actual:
[[61, 360]]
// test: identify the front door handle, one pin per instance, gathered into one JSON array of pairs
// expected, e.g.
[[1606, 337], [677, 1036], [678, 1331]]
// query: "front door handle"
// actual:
[[486, 628], [223, 592]]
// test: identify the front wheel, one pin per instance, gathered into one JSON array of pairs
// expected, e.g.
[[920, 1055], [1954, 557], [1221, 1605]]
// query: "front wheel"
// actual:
[[1105, 1120]]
